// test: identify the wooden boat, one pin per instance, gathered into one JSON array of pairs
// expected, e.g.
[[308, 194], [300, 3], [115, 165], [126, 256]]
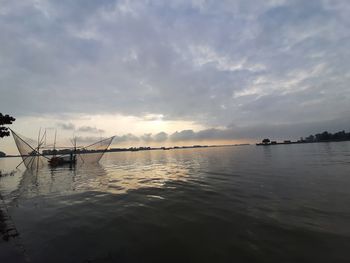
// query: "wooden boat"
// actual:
[[62, 160]]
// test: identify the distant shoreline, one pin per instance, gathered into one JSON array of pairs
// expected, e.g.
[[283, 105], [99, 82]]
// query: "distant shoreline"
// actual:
[[136, 149], [298, 142], [325, 136]]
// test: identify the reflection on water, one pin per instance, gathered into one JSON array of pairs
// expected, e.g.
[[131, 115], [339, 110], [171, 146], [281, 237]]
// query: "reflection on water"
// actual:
[[112, 178], [287, 203]]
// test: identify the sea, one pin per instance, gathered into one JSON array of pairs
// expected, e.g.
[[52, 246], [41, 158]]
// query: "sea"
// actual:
[[281, 203]]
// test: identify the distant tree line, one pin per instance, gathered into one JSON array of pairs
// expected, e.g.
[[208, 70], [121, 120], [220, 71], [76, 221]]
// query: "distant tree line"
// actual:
[[327, 136], [70, 150], [319, 137]]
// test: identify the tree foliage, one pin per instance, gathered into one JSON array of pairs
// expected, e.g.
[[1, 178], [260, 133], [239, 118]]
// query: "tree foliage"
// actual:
[[326, 136], [266, 141], [5, 120]]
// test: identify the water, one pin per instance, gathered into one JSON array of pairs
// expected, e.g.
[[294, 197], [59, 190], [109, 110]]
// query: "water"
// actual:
[[284, 203]]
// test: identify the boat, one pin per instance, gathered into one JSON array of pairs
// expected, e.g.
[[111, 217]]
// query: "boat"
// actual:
[[62, 160], [68, 159]]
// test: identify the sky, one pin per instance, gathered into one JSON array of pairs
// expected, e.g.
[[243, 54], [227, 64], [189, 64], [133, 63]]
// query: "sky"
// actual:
[[175, 72]]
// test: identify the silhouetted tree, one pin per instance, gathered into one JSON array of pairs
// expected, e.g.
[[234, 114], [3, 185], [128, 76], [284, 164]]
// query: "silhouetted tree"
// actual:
[[310, 138], [339, 135], [5, 119], [326, 136], [266, 141]]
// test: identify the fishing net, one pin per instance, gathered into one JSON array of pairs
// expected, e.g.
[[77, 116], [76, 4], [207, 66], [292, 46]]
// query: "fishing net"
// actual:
[[29, 151], [94, 152]]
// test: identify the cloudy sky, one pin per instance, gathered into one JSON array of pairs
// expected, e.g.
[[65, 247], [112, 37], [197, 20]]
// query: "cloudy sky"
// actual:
[[175, 72]]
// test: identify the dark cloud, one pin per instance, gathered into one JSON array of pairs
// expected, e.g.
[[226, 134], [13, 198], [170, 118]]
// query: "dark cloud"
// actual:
[[147, 137], [183, 135], [67, 126], [127, 138], [87, 140], [289, 131], [251, 132], [160, 137], [252, 63], [90, 129]]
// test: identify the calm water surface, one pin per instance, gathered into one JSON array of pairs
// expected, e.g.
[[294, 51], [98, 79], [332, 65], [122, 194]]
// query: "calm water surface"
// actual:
[[286, 203]]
